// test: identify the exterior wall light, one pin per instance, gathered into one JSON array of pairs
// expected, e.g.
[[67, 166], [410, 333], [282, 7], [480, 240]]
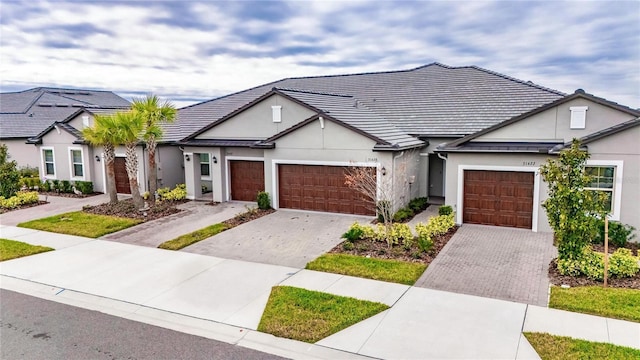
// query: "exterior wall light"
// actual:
[[187, 157], [383, 171], [215, 160], [97, 158]]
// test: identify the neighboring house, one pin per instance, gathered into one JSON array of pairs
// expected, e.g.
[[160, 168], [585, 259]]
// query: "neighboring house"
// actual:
[[293, 137], [493, 175], [42, 128]]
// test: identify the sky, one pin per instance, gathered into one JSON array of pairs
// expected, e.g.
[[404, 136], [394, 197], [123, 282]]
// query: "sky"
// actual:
[[191, 51]]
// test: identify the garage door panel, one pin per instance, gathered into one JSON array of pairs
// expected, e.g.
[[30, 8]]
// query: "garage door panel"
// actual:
[[247, 179], [322, 188], [500, 198]]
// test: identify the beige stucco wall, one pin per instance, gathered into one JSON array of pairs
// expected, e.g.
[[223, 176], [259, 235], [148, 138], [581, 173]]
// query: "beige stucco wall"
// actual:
[[554, 124], [256, 122], [170, 167], [24, 154], [625, 147]]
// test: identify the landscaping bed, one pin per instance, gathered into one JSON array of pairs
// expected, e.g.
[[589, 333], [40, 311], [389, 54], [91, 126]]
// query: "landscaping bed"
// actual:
[[558, 279], [380, 249], [127, 209], [250, 214], [23, 206], [68, 195]]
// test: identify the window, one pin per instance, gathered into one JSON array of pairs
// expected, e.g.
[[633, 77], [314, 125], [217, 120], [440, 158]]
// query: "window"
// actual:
[[276, 112], [77, 168], [49, 163], [578, 116], [205, 165], [607, 178]]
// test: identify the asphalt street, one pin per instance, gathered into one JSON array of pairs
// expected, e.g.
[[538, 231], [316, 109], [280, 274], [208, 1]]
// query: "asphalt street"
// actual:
[[33, 328]]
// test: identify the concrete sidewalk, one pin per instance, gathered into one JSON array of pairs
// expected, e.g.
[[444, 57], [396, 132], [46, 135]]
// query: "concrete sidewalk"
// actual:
[[224, 299]]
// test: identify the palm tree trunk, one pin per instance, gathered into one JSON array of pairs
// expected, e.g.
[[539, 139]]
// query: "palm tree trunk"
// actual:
[[109, 159], [153, 171], [132, 173]]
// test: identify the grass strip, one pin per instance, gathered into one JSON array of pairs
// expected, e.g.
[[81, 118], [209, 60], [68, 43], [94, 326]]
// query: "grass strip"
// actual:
[[81, 224], [551, 347], [193, 237], [378, 269], [11, 249], [310, 316], [610, 302]]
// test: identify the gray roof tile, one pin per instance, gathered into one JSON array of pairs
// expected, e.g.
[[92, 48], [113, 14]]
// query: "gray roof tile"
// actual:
[[435, 99]]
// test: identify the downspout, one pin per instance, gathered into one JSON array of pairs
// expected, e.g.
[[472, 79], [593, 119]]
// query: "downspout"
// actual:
[[393, 176], [444, 174]]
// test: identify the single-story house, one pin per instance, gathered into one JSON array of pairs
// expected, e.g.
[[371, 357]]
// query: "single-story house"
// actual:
[[454, 134], [42, 127]]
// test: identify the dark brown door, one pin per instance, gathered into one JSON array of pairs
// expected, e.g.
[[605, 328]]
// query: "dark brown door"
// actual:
[[500, 198], [122, 180], [319, 188], [247, 179]]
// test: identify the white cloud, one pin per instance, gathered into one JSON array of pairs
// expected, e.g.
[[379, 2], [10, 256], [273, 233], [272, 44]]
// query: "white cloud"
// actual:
[[218, 48]]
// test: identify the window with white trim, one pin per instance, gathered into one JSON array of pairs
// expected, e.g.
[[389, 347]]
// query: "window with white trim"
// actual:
[[49, 162], [578, 117], [205, 165], [606, 177], [77, 165]]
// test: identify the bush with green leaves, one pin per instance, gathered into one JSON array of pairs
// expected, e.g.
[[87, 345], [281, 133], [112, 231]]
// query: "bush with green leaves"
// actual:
[[591, 264], [354, 233], [264, 202], [573, 212], [619, 233], [56, 186], [9, 174], [66, 186], [29, 172], [178, 193], [437, 225], [47, 186], [403, 214], [418, 204], [21, 198], [30, 183], [445, 210], [85, 187]]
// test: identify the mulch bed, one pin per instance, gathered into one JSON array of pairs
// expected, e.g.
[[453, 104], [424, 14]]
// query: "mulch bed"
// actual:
[[250, 214], [40, 202], [558, 279], [126, 208], [67, 195], [380, 250]]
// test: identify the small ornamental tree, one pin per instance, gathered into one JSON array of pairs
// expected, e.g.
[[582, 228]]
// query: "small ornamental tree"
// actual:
[[573, 212], [9, 174]]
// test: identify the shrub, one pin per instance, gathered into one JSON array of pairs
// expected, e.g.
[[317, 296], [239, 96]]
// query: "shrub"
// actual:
[[264, 202], [623, 264], [437, 225], [66, 187], [445, 210], [30, 182], [418, 204], [619, 233], [384, 210], [46, 185], [21, 198], [178, 193], [354, 233], [9, 175], [29, 172], [85, 187], [55, 185], [402, 215], [348, 245], [399, 234]]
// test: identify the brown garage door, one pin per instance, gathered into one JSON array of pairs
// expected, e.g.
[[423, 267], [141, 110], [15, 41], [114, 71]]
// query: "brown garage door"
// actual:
[[501, 198], [319, 188], [122, 179], [247, 179]]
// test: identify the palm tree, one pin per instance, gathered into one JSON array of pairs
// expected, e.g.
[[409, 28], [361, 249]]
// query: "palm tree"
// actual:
[[128, 127], [154, 112], [103, 133]]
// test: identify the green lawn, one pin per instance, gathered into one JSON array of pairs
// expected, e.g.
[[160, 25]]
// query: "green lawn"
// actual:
[[10, 249], [310, 316], [551, 347], [81, 224], [610, 302], [378, 269], [193, 237]]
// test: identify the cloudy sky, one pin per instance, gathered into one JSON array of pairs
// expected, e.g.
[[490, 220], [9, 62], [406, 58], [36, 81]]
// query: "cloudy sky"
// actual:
[[190, 51]]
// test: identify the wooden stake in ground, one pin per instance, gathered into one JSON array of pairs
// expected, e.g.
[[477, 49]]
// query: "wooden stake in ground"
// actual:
[[606, 249]]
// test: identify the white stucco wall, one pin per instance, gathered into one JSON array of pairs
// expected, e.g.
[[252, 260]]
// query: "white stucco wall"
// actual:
[[24, 154]]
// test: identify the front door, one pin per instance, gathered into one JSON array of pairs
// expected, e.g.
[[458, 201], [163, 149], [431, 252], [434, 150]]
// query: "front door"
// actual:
[[122, 179]]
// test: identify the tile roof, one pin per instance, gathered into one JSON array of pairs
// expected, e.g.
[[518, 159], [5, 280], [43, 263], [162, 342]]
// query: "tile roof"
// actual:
[[27, 113], [600, 134], [502, 147], [432, 100]]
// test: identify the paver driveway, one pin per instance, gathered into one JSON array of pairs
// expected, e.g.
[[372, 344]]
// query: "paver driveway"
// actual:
[[285, 237], [495, 262]]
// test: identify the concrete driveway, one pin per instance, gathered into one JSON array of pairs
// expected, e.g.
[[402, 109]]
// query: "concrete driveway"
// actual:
[[285, 237], [495, 262]]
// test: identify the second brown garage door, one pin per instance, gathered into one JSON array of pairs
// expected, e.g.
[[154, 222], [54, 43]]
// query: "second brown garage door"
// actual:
[[319, 188], [500, 198], [247, 179]]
